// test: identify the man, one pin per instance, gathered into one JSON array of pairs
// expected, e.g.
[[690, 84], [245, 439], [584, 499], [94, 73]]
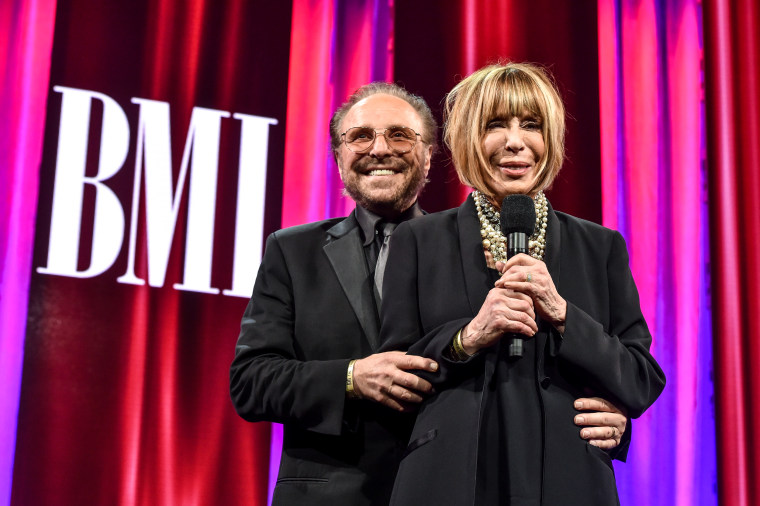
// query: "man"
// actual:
[[306, 352]]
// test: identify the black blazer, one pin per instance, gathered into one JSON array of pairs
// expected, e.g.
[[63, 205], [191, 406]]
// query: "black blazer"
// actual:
[[438, 276], [313, 310]]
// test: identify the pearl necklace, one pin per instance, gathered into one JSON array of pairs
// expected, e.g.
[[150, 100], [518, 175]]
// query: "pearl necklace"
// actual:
[[490, 227]]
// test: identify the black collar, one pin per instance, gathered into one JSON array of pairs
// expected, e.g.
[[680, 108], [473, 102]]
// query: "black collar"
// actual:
[[368, 220]]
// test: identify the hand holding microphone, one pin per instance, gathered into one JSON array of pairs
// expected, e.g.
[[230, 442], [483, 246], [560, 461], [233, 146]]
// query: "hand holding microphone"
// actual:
[[518, 219], [508, 312], [525, 274]]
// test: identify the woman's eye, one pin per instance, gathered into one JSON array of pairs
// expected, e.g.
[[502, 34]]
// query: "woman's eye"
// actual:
[[494, 124], [531, 125]]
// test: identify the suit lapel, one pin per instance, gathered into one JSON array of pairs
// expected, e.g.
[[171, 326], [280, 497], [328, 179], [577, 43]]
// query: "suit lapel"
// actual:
[[553, 247], [477, 276], [346, 255], [552, 260], [477, 279]]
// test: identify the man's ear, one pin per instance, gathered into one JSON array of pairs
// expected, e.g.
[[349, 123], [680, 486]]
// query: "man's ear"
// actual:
[[337, 163], [428, 159]]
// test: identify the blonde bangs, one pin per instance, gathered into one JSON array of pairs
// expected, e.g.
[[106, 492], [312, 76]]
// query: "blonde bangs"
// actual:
[[502, 91], [508, 95]]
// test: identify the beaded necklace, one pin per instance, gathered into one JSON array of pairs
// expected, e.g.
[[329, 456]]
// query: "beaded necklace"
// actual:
[[490, 228]]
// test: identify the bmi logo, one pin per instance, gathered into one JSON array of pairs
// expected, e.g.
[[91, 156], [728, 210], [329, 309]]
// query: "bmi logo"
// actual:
[[153, 174]]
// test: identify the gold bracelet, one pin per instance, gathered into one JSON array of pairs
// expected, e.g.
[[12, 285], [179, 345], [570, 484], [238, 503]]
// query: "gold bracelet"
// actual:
[[457, 348], [350, 392]]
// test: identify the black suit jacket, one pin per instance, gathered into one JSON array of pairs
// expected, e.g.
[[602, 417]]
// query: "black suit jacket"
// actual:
[[313, 310], [439, 279]]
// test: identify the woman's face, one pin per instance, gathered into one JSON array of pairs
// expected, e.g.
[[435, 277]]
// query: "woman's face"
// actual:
[[513, 148]]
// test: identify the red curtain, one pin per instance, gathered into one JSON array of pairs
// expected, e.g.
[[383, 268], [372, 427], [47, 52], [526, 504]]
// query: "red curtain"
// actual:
[[27, 29], [437, 43], [732, 67], [125, 392], [335, 47]]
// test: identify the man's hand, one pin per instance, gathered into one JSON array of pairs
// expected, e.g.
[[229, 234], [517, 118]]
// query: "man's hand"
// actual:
[[603, 423], [383, 378]]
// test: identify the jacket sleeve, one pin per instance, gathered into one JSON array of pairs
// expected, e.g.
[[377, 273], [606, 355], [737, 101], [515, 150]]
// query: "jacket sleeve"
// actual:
[[615, 360], [402, 327], [268, 379]]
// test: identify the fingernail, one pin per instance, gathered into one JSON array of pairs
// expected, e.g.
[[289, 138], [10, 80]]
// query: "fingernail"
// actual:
[[584, 434], [579, 419], [578, 405], [433, 366]]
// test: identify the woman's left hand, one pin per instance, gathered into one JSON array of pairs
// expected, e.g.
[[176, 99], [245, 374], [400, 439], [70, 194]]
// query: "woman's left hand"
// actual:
[[525, 274]]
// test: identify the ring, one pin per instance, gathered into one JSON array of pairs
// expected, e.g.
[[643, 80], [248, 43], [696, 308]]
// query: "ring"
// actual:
[[529, 277]]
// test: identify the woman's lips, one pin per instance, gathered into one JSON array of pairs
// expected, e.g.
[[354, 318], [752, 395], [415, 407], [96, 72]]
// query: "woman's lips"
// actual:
[[514, 168]]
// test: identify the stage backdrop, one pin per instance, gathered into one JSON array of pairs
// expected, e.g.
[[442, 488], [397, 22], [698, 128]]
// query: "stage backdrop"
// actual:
[[178, 134], [164, 139]]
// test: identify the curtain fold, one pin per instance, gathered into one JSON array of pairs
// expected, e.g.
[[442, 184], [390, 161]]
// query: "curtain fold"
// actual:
[[125, 391], [651, 102], [679, 116], [27, 29], [733, 96], [336, 46]]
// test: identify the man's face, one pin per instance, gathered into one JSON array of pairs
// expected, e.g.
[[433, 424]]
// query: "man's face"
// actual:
[[378, 179]]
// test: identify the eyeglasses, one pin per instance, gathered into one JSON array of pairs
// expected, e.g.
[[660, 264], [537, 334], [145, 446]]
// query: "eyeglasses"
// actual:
[[400, 139]]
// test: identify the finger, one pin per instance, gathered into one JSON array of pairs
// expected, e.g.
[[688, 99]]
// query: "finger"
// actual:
[[519, 323], [601, 419], [600, 434], [413, 382], [411, 362], [524, 319], [521, 259], [402, 395], [517, 278], [595, 404], [604, 444], [393, 404]]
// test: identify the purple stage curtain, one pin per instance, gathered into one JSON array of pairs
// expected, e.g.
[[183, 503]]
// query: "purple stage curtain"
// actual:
[[640, 106], [125, 391], [732, 63], [27, 28], [335, 47], [653, 177]]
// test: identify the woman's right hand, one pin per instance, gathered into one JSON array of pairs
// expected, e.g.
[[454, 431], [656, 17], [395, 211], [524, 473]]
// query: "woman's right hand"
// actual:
[[504, 311]]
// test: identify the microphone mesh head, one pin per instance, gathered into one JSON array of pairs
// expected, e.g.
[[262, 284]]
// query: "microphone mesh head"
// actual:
[[518, 214]]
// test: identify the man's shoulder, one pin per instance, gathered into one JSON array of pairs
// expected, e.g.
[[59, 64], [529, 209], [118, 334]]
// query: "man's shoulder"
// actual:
[[307, 231]]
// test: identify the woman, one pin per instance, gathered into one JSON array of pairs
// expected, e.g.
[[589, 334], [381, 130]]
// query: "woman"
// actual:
[[500, 429]]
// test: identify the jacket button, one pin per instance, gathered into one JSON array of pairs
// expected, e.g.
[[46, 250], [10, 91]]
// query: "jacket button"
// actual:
[[546, 382]]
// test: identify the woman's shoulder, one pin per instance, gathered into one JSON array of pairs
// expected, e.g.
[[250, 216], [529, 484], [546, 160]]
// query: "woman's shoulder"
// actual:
[[431, 219], [579, 225], [431, 225], [588, 235]]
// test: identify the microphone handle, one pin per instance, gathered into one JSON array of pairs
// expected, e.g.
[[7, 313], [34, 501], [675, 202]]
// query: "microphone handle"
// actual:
[[517, 242]]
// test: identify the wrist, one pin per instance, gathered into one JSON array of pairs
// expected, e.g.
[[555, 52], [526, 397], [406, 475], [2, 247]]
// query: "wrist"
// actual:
[[560, 317], [351, 392], [468, 342], [457, 350]]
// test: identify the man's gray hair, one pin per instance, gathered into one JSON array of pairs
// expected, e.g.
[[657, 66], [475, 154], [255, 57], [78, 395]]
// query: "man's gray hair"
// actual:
[[429, 125]]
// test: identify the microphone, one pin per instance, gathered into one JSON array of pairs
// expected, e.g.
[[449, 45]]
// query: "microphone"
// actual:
[[518, 218]]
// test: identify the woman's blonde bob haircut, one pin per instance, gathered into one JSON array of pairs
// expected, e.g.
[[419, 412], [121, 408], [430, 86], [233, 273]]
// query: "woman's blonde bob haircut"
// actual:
[[502, 92]]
